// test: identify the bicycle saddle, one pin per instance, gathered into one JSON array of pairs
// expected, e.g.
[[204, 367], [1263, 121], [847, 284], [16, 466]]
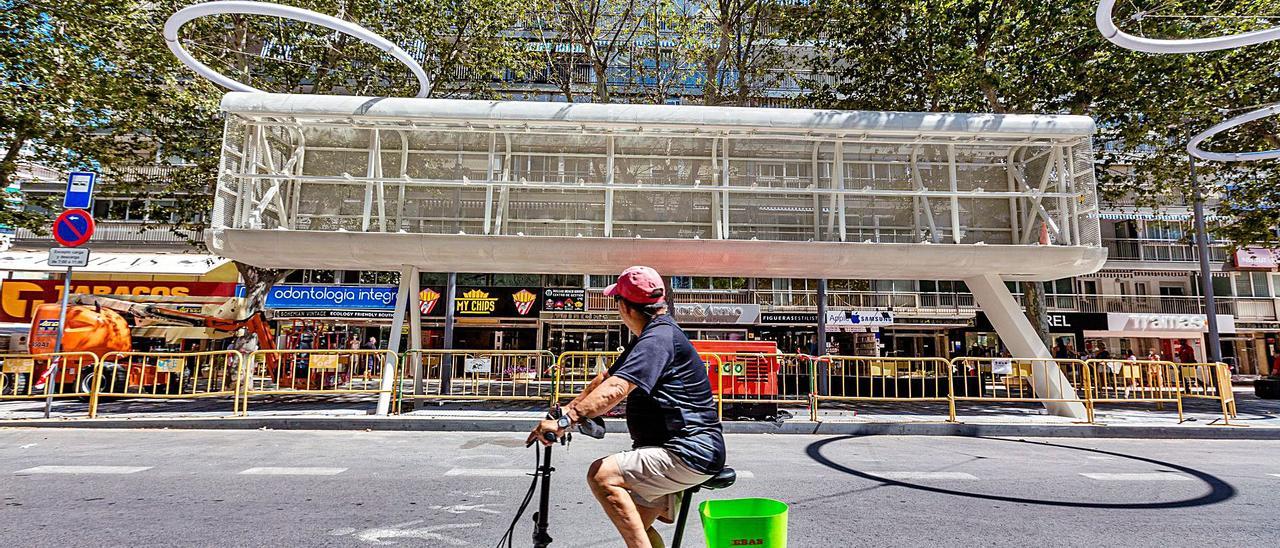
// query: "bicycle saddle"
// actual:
[[723, 479]]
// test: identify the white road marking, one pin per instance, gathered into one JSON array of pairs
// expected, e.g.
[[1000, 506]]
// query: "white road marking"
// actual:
[[488, 472], [377, 535], [83, 470], [744, 474], [1142, 476], [27, 446], [1276, 475], [925, 475], [464, 508], [292, 471]]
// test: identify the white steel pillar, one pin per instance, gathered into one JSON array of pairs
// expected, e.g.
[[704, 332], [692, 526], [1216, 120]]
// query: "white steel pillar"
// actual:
[[1017, 333], [408, 276]]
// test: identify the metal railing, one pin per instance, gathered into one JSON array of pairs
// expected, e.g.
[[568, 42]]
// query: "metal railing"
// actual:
[[1146, 249]]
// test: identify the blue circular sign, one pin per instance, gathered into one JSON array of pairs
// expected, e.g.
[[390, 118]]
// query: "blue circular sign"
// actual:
[[73, 228]]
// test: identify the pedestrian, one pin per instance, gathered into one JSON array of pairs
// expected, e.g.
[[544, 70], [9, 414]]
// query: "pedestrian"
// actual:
[[1185, 353], [671, 414], [1101, 352]]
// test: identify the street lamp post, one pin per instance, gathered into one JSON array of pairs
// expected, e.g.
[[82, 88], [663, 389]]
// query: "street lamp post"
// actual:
[[1214, 350]]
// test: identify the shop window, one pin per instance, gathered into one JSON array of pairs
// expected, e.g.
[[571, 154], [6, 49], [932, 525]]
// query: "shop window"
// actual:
[[321, 276], [516, 280], [702, 282], [433, 279], [602, 281], [729, 283], [375, 277], [481, 280], [562, 280], [681, 282]]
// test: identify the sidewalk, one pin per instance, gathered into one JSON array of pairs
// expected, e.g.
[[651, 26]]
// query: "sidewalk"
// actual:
[[1258, 419]]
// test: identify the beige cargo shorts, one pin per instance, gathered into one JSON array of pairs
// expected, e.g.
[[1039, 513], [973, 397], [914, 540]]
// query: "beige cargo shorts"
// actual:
[[657, 477]]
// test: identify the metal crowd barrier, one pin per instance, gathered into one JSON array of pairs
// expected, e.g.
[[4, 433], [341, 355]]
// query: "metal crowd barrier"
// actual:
[[864, 378], [754, 378], [1131, 381], [576, 370], [27, 376], [168, 375], [1019, 380], [1211, 381], [494, 375], [316, 373]]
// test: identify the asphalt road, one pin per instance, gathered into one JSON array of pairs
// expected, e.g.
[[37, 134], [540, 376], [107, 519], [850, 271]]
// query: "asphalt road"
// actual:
[[291, 488]]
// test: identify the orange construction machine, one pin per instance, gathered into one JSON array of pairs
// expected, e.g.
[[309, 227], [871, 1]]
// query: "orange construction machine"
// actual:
[[97, 325]]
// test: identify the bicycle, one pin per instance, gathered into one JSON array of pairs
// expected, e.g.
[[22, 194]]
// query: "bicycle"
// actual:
[[542, 475]]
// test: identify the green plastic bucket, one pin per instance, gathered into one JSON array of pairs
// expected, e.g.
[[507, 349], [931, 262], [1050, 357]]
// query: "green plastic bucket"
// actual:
[[744, 522]]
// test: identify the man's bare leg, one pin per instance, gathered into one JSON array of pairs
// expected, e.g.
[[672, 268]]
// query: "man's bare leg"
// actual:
[[648, 516], [605, 478]]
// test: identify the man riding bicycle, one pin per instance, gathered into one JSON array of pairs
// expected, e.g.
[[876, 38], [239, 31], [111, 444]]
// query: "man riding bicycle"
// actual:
[[671, 414]]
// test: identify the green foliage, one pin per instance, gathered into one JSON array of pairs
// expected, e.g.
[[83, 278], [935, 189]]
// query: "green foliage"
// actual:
[[1032, 56]]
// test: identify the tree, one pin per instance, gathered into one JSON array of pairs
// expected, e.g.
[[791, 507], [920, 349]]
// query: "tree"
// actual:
[[78, 85], [736, 44], [1029, 56], [600, 32]]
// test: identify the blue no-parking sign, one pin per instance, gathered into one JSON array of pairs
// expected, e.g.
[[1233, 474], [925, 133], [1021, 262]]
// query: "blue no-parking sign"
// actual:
[[79, 190]]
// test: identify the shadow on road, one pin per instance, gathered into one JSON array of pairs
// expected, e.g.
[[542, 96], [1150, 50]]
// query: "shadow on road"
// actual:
[[1219, 490]]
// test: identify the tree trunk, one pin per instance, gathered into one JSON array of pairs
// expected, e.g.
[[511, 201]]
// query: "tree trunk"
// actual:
[[257, 282], [1037, 310]]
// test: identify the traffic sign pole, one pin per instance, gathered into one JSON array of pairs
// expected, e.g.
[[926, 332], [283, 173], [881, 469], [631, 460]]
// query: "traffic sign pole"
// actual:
[[57, 345]]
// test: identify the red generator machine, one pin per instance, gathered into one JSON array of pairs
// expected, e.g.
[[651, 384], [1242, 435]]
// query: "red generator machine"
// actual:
[[744, 374]]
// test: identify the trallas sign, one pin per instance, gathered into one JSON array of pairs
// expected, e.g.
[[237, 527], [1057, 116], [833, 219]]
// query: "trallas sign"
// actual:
[[1187, 323]]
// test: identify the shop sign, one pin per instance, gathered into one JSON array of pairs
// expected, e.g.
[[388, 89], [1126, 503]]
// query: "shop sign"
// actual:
[[484, 302], [717, 313], [789, 317], [1197, 323], [331, 297], [477, 365], [865, 318], [1257, 258], [334, 314], [19, 298], [1073, 321], [564, 300]]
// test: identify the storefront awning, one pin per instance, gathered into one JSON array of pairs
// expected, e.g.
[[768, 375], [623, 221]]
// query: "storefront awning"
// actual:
[[173, 264]]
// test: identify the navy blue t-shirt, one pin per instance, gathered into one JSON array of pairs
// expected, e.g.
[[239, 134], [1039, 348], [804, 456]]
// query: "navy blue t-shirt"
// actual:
[[672, 405]]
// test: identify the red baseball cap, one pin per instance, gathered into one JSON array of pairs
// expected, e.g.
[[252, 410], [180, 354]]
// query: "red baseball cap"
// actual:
[[640, 285]]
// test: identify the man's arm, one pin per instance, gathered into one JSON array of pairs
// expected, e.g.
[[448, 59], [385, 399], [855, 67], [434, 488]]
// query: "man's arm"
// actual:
[[594, 383], [594, 402]]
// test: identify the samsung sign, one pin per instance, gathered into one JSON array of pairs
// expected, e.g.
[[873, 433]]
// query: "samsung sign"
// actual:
[[330, 297]]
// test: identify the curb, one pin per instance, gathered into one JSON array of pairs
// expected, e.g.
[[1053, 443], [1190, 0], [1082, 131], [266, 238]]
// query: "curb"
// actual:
[[504, 424]]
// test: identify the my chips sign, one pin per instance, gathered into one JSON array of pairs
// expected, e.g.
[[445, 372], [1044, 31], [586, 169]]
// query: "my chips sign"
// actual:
[[483, 302]]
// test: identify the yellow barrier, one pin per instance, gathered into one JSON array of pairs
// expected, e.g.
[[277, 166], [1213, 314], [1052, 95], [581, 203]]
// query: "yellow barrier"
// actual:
[[316, 372], [1211, 381], [759, 378], [1020, 380], [497, 375], [576, 370], [168, 375], [864, 378], [1131, 381], [26, 376]]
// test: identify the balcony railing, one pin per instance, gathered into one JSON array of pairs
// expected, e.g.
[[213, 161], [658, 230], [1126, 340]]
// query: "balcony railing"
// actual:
[[1243, 308], [1141, 249], [118, 232]]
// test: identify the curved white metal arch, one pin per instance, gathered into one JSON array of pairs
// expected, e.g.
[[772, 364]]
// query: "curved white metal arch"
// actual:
[[190, 13], [1106, 25]]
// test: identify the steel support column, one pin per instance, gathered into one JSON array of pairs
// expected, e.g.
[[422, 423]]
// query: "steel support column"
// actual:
[[1018, 335], [407, 275]]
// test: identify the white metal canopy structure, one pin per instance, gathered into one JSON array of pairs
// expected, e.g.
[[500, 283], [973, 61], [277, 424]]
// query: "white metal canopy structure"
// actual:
[[377, 183], [452, 185]]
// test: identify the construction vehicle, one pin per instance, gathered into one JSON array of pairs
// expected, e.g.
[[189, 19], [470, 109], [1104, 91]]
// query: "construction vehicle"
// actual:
[[97, 325]]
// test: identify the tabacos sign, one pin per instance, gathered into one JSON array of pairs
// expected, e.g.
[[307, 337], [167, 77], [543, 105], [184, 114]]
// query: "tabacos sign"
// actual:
[[18, 298], [482, 302]]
